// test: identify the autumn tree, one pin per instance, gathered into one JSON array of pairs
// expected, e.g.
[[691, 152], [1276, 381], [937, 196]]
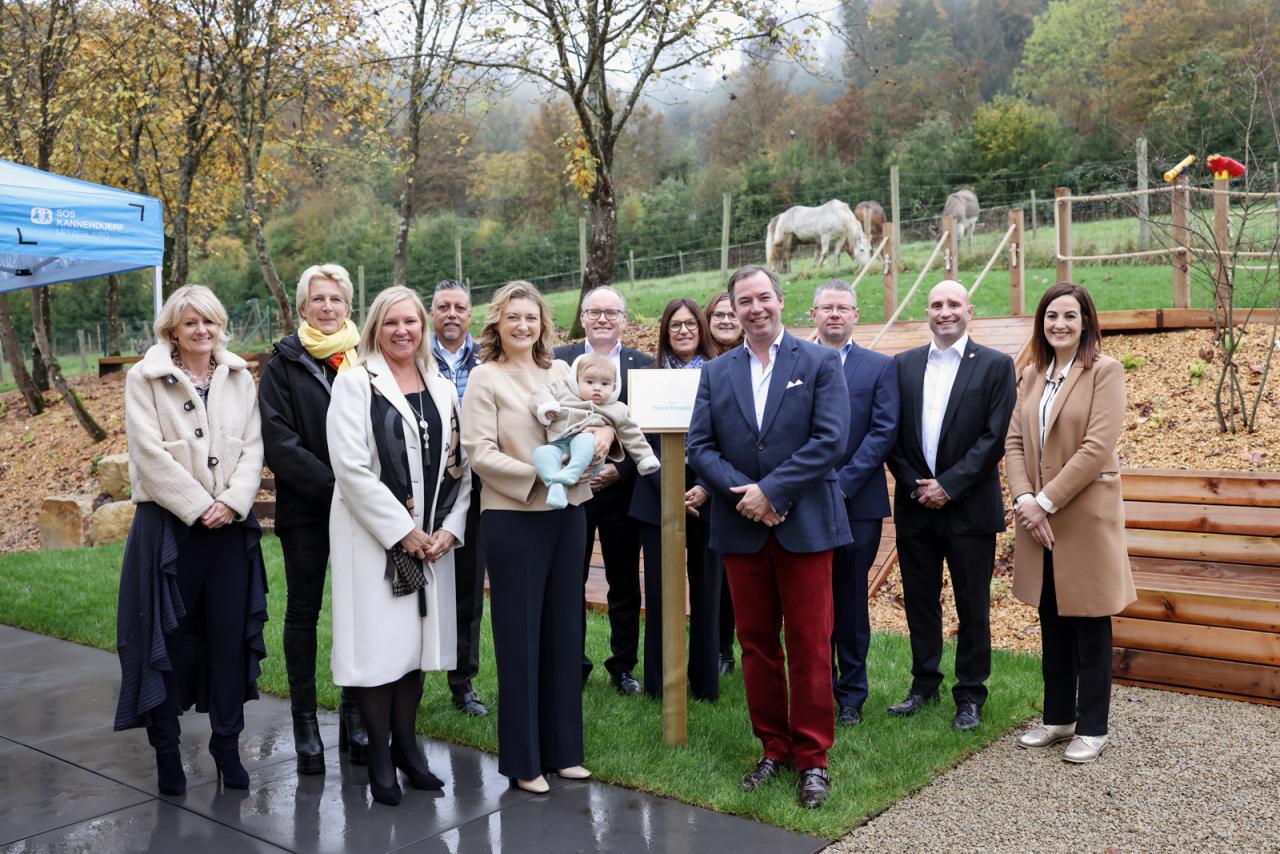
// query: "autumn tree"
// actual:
[[1064, 63], [603, 55]]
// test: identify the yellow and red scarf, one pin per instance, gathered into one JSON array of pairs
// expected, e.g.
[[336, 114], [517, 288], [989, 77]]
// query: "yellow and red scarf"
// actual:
[[338, 349]]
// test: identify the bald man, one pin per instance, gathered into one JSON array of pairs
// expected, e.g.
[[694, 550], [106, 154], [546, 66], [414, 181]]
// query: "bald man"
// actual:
[[957, 398]]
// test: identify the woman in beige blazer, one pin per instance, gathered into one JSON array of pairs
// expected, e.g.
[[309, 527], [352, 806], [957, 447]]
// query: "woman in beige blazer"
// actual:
[[1070, 558], [533, 554]]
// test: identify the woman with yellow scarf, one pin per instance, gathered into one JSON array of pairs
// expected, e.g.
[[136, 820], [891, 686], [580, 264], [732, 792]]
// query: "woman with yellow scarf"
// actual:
[[293, 398]]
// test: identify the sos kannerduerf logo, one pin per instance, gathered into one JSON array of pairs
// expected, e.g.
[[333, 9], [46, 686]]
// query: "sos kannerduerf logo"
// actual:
[[67, 218]]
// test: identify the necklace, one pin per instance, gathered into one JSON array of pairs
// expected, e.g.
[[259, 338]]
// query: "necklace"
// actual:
[[420, 411], [201, 383]]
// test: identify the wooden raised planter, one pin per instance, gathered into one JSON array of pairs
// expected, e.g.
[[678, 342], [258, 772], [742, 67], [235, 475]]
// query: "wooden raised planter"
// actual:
[[1205, 551]]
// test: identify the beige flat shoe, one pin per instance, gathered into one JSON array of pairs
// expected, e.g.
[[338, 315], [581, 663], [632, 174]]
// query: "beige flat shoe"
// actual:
[[537, 786], [577, 772], [1046, 735], [1084, 748]]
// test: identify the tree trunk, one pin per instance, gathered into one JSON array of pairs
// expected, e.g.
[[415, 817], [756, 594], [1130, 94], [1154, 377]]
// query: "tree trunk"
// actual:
[[409, 158], [602, 241], [86, 420], [30, 395], [263, 252], [39, 367], [115, 332]]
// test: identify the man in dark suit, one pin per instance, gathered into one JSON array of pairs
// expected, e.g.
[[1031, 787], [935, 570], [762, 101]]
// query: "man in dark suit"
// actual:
[[455, 354], [957, 398], [872, 379], [604, 316], [768, 426]]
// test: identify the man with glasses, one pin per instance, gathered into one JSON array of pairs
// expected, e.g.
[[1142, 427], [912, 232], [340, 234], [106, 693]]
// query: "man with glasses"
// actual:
[[455, 354], [872, 380], [604, 316]]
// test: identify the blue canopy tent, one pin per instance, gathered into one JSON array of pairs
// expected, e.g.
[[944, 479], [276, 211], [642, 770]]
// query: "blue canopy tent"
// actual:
[[58, 229]]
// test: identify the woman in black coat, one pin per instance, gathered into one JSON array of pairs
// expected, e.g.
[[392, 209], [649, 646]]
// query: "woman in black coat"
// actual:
[[294, 398], [683, 342]]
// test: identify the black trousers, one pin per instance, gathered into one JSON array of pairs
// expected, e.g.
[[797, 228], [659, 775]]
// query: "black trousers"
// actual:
[[213, 580], [705, 577], [468, 570], [1076, 663], [970, 560], [851, 635], [306, 556], [726, 607], [535, 597], [620, 548]]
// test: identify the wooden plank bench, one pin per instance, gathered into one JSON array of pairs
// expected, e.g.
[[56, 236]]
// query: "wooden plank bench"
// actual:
[[1205, 552], [115, 364]]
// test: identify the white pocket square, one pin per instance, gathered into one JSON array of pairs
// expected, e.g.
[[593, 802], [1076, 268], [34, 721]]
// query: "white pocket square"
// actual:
[[795, 383]]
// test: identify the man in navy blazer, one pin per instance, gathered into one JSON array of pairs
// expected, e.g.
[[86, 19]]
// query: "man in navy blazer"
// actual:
[[768, 426], [957, 398], [604, 316], [872, 379]]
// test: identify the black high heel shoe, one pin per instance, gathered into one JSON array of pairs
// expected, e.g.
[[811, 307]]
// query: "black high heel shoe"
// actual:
[[352, 738], [419, 779], [230, 771], [389, 795], [170, 778]]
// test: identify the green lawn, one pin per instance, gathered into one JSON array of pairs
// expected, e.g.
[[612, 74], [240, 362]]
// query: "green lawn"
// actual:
[[72, 594]]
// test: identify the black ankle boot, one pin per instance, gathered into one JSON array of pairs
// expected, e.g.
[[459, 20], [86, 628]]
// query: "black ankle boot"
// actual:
[[226, 755], [415, 767], [170, 778], [352, 737], [307, 743]]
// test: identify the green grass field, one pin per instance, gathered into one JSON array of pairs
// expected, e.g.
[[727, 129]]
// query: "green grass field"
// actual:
[[72, 594]]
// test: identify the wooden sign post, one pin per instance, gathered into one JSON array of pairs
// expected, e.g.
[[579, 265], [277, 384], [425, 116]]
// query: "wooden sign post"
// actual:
[[661, 402]]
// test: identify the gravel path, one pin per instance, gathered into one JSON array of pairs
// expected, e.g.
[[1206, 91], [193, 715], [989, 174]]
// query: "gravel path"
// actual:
[[1182, 773]]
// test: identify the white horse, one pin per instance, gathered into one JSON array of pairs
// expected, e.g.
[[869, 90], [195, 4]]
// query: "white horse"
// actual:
[[832, 224]]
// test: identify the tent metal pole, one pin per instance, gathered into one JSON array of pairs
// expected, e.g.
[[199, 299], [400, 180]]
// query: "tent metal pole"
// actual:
[[159, 291]]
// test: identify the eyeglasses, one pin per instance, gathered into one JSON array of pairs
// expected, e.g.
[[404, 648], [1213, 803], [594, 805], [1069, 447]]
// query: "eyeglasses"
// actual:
[[835, 309], [597, 313], [723, 316], [677, 325]]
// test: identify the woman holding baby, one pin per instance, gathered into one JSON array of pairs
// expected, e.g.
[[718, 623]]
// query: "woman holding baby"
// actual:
[[533, 553]]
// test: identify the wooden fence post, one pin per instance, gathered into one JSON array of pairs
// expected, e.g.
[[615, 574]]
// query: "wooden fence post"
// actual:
[[680, 253], [895, 206], [1222, 285], [1181, 235], [631, 265], [1062, 213], [360, 286], [457, 257], [1033, 215], [890, 256], [1144, 207], [724, 237], [951, 249], [83, 340], [1017, 266]]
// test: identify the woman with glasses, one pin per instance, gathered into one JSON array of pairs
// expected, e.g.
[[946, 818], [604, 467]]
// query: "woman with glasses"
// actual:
[[722, 324], [725, 333], [683, 342]]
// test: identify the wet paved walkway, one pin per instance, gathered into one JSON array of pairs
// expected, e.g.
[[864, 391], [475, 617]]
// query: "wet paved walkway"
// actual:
[[69, 783]]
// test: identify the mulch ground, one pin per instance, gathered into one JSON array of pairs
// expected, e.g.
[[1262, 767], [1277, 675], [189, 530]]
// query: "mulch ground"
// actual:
[[1170, 423]]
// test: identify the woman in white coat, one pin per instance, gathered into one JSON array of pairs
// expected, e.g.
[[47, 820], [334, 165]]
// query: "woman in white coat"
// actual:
[[397, 513]]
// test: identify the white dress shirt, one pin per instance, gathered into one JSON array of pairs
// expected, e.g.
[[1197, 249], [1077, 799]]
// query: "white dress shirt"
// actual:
[[1051, 388], [615, 353], [761, 374], [939, 376], [845, 350]]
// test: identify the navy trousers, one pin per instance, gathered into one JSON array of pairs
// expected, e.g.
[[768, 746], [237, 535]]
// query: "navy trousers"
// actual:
[[851, 636], [534, 559]]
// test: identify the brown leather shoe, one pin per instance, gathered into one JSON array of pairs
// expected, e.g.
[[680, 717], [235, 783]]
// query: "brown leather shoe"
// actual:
[[766, 769], [813, 788]]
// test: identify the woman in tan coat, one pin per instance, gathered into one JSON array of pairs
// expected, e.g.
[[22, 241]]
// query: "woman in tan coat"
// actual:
[[1070, 558]]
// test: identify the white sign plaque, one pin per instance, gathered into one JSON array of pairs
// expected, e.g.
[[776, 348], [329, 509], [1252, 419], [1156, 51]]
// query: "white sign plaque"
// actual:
[[661, 401]]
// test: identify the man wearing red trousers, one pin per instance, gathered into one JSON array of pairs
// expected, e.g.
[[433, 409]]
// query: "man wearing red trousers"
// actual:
[[768, 427]]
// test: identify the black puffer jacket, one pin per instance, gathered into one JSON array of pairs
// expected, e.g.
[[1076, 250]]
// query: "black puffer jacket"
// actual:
[[293, 398]]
